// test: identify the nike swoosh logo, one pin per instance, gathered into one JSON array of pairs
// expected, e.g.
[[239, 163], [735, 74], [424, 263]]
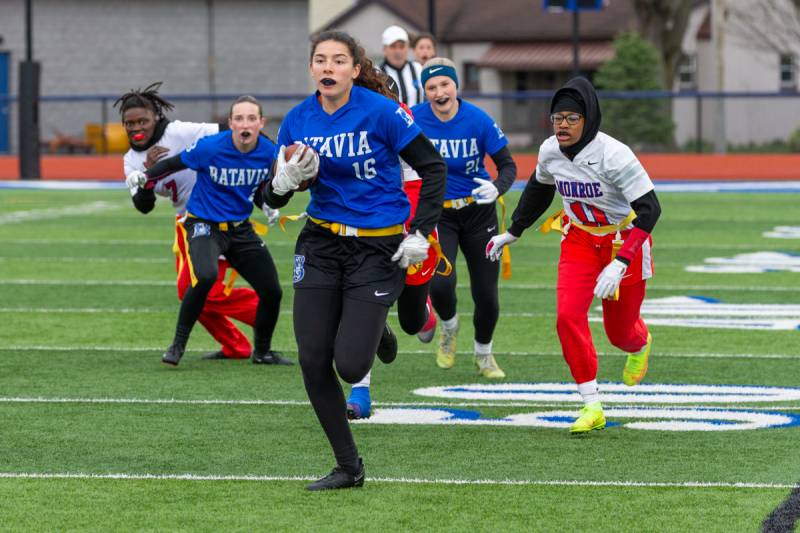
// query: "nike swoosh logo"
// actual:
[[592, 162], [489, 230], [424, 272], [378, 293], [436, 69]]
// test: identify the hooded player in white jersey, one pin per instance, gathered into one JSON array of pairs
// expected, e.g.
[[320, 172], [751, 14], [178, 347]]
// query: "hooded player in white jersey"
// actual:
[[610, 209], [153, 137]]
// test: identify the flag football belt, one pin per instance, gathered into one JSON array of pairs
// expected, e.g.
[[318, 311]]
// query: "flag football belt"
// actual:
[[344, 230], [448, 268], [258, 227], [458, 203], [232, 273], [553, 222]]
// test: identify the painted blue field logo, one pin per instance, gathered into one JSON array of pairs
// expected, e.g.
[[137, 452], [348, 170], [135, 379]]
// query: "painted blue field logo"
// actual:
[[689, 418]]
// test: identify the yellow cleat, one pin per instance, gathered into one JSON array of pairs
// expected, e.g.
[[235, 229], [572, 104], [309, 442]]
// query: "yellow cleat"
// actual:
[[636, 365], [590, 419], [446, 354], [488, 367]]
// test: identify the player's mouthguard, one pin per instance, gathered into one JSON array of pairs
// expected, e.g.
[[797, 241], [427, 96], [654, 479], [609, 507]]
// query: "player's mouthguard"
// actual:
[[245, 134], [138, 137], [328, 82]]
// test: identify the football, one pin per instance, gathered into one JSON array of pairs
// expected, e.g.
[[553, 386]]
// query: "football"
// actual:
[[290, 150]]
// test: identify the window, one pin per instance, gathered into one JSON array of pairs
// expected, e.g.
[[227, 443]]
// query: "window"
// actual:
[[788, 72], [687, 73], [471, 77]]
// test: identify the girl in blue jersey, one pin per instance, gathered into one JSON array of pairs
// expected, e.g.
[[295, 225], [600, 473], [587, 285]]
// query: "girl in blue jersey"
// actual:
[[351, 256], [230, 166], [463, 134]]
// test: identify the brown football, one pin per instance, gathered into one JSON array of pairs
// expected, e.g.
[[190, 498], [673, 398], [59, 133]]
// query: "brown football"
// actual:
[[290, 150]]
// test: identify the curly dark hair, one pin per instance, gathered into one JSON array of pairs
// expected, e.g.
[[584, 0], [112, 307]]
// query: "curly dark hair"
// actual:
[[370, 77], [147, 98]]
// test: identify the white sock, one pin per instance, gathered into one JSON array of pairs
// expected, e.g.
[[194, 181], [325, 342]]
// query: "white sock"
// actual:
[[364, 381], [589, 392], [483, 350], [450, 324]]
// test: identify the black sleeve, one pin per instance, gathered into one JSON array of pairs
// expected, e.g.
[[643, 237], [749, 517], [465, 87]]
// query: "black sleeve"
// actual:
[[506, 170], [265, 194], [165, 167], [423, 157], [144, 200], [647, 209], [535, 200]]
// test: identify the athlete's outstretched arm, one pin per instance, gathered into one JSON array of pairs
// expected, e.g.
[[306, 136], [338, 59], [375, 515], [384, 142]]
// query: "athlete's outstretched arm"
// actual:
[[506, 170], [535, 200], [165, 167], [423, 157]]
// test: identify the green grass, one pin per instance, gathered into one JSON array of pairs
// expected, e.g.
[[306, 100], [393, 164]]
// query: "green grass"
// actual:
[[87, 305]]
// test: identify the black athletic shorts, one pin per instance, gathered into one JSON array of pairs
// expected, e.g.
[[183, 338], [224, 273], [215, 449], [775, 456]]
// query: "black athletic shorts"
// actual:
[[360, 267]]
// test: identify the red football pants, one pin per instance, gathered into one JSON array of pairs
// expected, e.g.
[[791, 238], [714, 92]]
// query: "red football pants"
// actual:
[[583, 257], [219, 308]]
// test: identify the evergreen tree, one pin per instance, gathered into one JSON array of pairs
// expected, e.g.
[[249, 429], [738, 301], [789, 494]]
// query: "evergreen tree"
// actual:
[[640, 123]]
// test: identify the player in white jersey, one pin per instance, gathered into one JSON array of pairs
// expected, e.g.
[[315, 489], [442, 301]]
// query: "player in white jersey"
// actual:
[[153, 137], [610, 209]]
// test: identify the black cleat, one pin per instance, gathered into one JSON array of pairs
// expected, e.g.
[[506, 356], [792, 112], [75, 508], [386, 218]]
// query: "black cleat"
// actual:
[[214, 355], [340, 479], [387, 347], [173, 354], [270, 358]]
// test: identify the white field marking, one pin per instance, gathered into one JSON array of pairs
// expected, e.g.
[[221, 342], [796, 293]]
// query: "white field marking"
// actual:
[[444, 403], [752, 263], [783, 232], [723, 323], [645, 393], [411, 481], [698, 355], [694, 306], [517, 245], [509, 286], [78, 210], [109, 242], [662, 419], [90, 260]]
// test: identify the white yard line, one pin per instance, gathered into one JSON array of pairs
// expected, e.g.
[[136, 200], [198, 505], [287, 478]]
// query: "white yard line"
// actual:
[[444, 403], [409, 481], [699, 355], [78, 210]]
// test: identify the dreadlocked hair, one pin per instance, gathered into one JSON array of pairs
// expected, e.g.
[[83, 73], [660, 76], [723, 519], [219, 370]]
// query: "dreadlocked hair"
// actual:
[[147, 98], [370, 77]]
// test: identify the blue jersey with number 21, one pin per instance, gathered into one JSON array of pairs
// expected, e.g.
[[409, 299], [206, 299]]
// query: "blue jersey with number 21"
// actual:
[[226, 178], [359, 182], [463, 142]]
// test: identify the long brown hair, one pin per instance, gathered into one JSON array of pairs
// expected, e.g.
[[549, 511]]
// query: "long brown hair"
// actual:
[[369, 77]]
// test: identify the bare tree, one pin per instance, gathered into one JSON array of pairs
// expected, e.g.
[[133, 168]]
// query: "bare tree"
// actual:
[[767, 24], [663, 23]]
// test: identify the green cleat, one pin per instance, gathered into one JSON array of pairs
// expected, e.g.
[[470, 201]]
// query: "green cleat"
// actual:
[[636, 365], [488, 367], [446, 354], [590, 419]]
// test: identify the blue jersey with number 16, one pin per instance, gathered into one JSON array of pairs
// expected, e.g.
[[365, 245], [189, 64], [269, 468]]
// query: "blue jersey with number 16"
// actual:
[[463, 142], [359, 182]]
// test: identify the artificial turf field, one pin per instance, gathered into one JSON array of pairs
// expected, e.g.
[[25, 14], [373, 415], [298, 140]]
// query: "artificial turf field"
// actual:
[[97, 434]]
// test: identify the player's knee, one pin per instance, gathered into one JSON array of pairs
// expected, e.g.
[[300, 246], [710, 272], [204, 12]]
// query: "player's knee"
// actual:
[[353, 371], [569, 318], [205, 279], [313, 365]]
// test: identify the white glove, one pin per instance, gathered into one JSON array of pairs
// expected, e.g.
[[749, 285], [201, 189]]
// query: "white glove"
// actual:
[[272, 214], [494, 250], [486, 193], [137, 178], [609, 279], [303, 165], [413, 250]]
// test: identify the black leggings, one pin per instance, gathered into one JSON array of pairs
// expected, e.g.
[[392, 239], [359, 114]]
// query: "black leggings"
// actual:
[[470, 229], [411, 309], [247, 254], [332, 329]]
